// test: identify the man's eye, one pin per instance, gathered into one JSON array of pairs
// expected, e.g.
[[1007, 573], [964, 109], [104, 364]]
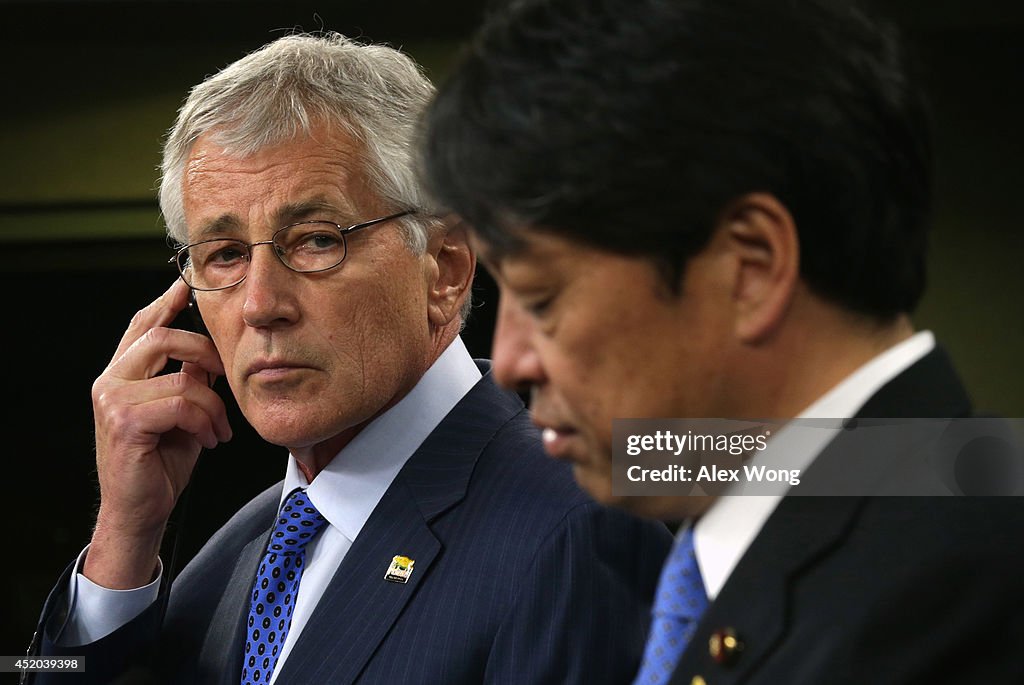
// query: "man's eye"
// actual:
[[320, 241], [538, 306], [229, 255], [225, 255]]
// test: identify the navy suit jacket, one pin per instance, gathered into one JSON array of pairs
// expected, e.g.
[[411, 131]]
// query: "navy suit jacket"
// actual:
[[884, 590], [519, 578]]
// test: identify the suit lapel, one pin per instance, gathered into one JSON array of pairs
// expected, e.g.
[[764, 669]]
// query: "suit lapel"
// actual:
[[800, 532], [220, 660], [757, 600], [359, 607]]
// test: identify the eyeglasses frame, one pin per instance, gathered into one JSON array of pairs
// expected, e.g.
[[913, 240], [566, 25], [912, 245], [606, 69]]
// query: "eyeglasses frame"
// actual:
[[344, 231]]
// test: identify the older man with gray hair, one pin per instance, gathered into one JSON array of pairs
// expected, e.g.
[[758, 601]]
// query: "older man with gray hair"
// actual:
[[419, 534]]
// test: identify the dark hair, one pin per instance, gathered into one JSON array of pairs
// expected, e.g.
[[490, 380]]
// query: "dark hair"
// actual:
[[630, 125]]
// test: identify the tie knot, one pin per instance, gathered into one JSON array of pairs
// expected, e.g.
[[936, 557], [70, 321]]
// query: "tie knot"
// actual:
[[297, 524]]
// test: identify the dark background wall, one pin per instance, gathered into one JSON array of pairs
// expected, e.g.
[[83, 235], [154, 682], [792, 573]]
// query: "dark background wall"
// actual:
[[89, 89]]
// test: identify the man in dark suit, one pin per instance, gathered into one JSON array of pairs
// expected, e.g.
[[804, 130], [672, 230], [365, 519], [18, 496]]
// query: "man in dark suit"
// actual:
[[431, 539], [717, 209]]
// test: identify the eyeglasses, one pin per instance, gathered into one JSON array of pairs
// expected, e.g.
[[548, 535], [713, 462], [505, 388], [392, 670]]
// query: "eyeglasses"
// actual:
[[306, 247]]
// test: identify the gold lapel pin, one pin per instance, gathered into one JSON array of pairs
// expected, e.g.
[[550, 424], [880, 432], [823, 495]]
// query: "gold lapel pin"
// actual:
[[725, 646], [399, 570]]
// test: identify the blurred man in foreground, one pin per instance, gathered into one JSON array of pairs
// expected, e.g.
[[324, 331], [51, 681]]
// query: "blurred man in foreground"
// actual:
[[433, 541], [719, 209]]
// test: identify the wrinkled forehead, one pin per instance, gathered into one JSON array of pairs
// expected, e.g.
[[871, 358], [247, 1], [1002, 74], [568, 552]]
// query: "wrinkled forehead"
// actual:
[[287, 181], [323, 148]]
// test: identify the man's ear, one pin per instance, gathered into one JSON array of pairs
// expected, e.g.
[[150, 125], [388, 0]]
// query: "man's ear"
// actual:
[[456, 266], [762, 237]]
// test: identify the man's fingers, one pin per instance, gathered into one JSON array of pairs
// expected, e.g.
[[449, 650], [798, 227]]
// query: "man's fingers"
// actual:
[[149, 354], [160, 416], [200, 374], [193, 391], [159, 312]]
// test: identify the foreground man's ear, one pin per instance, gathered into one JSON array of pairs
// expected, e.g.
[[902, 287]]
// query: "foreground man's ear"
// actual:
[[761, 236]]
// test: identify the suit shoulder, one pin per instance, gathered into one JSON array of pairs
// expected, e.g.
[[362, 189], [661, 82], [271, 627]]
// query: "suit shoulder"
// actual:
[[952, 526], [519, 487], [514, 464]]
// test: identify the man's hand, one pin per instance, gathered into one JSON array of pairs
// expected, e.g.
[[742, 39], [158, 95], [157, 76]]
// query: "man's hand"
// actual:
[[149, 432]]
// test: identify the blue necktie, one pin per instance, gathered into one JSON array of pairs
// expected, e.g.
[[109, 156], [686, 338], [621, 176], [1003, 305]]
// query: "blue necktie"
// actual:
[[277, 586], [678, 606]]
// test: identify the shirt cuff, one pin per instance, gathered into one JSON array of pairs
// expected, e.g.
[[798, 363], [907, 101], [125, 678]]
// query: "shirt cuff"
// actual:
[[96, 612]]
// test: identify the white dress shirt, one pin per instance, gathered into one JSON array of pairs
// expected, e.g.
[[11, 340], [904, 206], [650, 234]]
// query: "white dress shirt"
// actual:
[[345, 492], [723, 534]]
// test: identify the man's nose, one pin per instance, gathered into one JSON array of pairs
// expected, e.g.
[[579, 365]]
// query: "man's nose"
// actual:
[[268, 288], [516, 364]]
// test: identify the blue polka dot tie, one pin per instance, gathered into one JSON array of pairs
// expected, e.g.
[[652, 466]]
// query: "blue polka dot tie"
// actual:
[[277, 585], [678, 606]]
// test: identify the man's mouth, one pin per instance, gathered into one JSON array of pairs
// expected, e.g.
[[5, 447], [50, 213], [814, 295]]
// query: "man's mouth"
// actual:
[[557, 438]]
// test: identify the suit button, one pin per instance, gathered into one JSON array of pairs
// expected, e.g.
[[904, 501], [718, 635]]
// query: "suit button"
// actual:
[[725, 646], [697, 680]]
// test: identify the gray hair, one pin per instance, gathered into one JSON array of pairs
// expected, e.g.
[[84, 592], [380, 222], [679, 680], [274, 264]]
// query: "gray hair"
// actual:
[[281, 91]]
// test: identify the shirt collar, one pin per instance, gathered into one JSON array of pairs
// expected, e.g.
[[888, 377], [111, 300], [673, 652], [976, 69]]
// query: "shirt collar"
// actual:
[[723, 534], [350, 486]]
